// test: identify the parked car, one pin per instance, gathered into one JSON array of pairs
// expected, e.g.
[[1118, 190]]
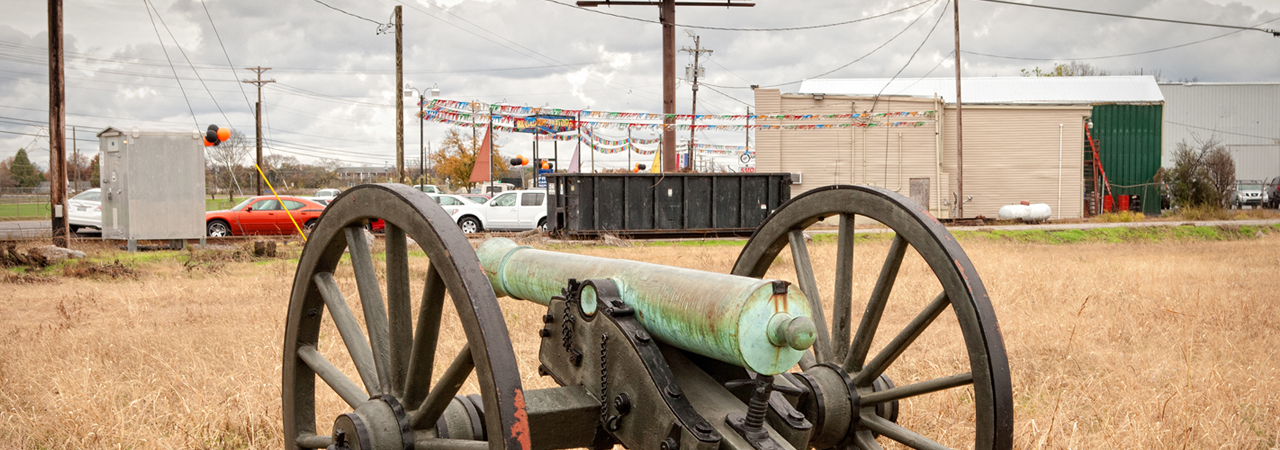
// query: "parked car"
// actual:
[[327, 193], [428, 188], [516, 210], [493, 189], [1272, 193], [85, 211], [478, 198], [321, 200], [469, 215], [263, 215], [1248, 193]]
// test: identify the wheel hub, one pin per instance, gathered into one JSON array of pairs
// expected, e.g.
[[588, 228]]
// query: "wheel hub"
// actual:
[[836, 407], [378, 424]]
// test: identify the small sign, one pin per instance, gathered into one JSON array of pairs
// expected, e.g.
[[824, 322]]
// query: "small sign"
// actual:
[[542, 177]]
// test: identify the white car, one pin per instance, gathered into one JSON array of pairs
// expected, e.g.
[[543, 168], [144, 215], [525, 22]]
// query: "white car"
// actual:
[[469, 215], [85, 211], [327, 193], [516, 210], [428, 188]]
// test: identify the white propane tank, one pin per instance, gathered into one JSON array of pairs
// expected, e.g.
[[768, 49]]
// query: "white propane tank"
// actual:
[[1038, 212], [1014, 212]]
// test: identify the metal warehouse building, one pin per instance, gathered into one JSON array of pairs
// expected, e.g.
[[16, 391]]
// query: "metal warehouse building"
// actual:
[[1245, 117], [1024, 139]]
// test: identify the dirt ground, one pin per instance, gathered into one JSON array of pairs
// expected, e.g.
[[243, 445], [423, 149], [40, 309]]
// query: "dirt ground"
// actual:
[[1111, 345]]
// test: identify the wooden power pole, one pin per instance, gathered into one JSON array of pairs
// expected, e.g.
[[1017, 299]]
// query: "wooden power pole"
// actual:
[[257, 116], [697, 51], [667, 16], [57, 130], [399, 97], [959, 124]]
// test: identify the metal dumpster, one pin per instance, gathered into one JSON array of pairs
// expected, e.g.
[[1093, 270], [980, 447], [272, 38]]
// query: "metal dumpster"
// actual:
[[657, 204]]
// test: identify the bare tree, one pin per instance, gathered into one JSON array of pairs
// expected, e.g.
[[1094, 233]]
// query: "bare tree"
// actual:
[[1221, 168], [1203, 174], [228, 155]]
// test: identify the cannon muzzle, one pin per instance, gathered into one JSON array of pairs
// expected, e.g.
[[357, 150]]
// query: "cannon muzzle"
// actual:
[[762, 325]]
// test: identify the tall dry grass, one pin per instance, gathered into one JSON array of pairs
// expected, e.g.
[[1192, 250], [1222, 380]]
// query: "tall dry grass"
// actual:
[[1170, 345]]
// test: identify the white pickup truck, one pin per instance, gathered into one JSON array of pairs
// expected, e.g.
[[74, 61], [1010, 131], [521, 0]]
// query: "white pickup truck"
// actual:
[[516, 210]]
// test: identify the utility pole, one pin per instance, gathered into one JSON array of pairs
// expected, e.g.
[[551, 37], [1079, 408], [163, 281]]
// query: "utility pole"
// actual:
[[667, 16], [57, 130], [257, 117], [399, 98], [75, 157], [959, 124], [692, 72]]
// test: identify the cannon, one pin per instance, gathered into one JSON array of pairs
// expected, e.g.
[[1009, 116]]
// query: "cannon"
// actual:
[[640, 355]]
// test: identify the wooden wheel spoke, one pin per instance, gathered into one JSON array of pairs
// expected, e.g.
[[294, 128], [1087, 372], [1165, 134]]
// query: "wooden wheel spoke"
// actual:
[[914, 389], [345, 388], [875, 306], [399, 314], [375, 316], [445, 389], [842, 302], [864, 440], [809, 286], [314, 441], [900, 342], [899, 433], [427, 335], [349, 329]]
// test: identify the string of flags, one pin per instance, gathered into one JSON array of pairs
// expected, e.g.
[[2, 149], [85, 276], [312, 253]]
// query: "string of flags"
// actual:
[[513, 124], [571, 115]]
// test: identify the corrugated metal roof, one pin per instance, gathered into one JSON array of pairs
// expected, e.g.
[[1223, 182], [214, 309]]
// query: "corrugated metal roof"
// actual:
[[1001, 90]]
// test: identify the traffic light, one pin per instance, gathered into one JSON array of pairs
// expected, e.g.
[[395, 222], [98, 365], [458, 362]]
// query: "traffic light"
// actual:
[[215, 135]]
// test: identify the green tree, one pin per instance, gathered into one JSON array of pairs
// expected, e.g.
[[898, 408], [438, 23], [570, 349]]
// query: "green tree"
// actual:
[[95, 175], [1071, 69], [1202, 175], [23, 172], [457, 155]]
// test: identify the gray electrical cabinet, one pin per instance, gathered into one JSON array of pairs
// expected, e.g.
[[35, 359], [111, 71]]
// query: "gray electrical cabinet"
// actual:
[[152, 184]]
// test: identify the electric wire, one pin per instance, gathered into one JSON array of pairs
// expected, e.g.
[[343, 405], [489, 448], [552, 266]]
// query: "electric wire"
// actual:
[[703, 27], [193, 68], [913, 54], [349, 14], [850, 63], [234, 76], [1126, 16], [1171, 47], [175, 71]]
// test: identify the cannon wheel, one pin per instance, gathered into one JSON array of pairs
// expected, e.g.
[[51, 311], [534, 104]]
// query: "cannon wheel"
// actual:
[[962, 291], [392, 402]]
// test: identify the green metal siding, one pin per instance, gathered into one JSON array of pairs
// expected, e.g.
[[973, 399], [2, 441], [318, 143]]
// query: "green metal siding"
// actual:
[[1129, 147]]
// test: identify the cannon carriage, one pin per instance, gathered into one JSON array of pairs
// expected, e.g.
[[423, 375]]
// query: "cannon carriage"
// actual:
[[644, 355]]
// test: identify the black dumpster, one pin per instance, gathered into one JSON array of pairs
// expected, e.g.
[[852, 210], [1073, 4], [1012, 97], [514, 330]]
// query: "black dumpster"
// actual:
[[657, 204]]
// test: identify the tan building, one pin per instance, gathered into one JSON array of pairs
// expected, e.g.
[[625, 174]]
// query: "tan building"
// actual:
[[1023, 138]]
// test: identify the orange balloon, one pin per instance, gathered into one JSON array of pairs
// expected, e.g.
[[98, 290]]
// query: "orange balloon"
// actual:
[[524, 161], [224, 134], [207, 143]]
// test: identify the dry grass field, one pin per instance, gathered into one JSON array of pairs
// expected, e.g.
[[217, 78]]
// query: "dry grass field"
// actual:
[[1172, 344]]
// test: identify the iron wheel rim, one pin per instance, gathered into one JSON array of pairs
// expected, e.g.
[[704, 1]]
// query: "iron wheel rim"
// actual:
[[963, 288]]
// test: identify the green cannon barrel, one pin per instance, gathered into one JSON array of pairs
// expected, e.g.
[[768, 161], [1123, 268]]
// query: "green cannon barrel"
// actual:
[[762, 325]]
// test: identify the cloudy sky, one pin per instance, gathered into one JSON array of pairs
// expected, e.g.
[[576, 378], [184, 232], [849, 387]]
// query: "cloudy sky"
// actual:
[[335, 90]]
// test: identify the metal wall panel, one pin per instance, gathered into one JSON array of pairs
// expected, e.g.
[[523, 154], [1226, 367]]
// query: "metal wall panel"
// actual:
[[664, 204], [1129, 147], [1243, 116], [153, 186]]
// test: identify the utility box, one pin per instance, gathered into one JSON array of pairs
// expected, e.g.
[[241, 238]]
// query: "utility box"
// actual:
[[152, 184]]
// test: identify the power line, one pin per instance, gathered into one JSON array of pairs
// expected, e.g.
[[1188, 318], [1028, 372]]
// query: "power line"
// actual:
[[913, 54], [703, 27], [147, 5], [234, 75], [193, 67], [1126, 16], [349, 14], [1171, 47], [850, 63]]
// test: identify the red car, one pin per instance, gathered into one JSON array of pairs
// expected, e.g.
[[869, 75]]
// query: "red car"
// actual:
[[263, 215]]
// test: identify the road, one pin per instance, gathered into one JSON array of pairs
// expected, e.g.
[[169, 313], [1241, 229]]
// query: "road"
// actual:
[[29, 229]]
